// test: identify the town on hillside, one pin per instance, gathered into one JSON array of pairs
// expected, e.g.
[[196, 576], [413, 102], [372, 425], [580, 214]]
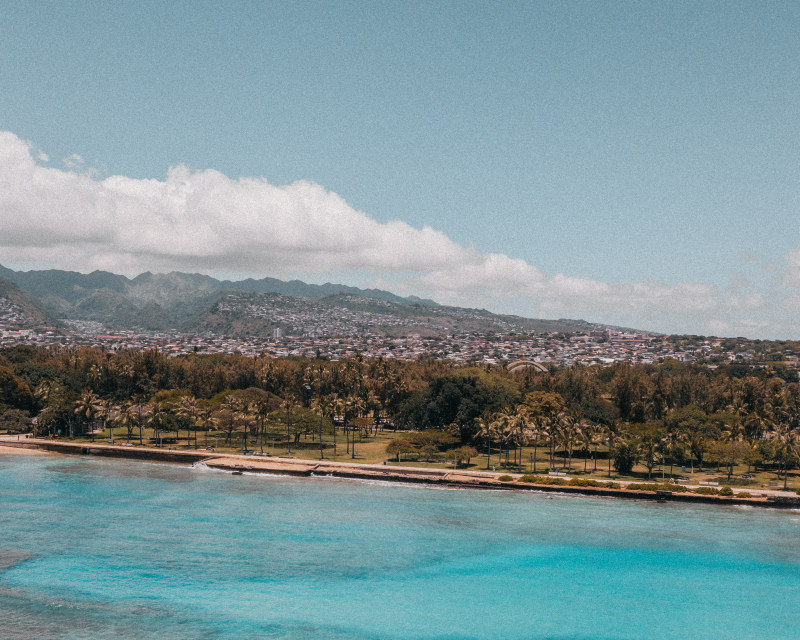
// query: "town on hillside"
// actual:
[[600, 346]]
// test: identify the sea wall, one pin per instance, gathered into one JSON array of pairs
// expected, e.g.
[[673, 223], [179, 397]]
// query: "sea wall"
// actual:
[[390, 473]]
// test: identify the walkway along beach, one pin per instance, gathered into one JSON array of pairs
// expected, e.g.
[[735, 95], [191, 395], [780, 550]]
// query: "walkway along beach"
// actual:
[[443, 477]]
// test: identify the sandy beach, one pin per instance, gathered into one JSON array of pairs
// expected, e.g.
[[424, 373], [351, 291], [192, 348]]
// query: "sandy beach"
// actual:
[[5, 450]]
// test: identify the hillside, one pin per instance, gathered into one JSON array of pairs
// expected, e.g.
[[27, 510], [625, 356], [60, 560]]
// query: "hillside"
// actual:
[[157, 301], [247, 315], [198, 303], [18, 311]]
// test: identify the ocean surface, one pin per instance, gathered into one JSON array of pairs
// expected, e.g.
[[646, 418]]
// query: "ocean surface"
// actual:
[[114, 549]]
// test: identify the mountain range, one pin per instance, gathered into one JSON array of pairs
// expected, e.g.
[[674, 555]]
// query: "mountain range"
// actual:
[[192, 302]]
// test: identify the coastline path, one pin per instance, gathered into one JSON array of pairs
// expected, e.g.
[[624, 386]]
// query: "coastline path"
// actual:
[[276, 465]]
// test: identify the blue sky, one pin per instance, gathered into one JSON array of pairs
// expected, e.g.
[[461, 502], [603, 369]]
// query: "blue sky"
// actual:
[[631, 163]]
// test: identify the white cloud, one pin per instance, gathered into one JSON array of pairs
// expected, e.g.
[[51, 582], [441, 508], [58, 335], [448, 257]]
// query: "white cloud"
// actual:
[[738, 282], [73, 162], [791, 277], [745, 327], [750, 301], [206, 221], [197, 220]]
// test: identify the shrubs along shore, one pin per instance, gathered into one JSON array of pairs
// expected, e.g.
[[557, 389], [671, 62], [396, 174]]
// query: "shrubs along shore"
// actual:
[[459, 478]]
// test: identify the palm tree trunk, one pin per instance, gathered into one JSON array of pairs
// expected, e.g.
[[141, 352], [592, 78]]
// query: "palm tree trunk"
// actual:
[[671, 460], [785, 472]]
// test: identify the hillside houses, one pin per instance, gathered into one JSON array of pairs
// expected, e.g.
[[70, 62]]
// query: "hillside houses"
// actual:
[[301, 331]]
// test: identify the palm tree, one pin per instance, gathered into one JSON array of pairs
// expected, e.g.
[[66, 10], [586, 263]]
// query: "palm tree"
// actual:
[[785, 440], [533, 432], [206, 417], [260, 407], [569, 434], [518, 433], [733, 437], [105, 413], [358, 406], [508, 438], [110, 414], [613, 431], [648, 448], [288, 404], [340, 409], [373, 406], [323, 406], [231, 407], [549, 430], [123, 416], [598, 438], [46, 389], [87, 408], [188, 410], [134, 415], [486, 433], [586, 434], [696, 438], [247, 415], [503, 429], [156, 419], [672, 439]]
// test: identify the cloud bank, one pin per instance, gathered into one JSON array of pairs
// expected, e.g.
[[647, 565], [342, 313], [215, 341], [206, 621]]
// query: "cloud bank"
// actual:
[[205, 221]]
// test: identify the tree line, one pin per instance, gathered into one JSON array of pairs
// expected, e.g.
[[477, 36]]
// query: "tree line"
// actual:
[[621, 414]]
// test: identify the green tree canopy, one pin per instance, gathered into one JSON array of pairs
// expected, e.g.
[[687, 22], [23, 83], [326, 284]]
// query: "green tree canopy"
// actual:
[[458, 398], [14, 393]]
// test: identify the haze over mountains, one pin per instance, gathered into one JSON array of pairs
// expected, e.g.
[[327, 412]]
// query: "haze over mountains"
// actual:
[[199, 303]]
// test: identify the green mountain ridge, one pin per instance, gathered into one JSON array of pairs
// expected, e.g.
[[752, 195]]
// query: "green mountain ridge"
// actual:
[[195, 302]]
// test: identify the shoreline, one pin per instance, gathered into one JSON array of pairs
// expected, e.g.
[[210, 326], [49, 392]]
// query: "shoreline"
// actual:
[[275, 465], [11, 450]]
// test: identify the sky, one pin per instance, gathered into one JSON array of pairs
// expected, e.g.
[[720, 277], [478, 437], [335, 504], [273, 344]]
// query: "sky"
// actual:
[[630, 163]]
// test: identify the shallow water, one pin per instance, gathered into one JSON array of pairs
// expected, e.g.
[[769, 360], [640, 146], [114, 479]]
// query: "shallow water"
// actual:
[[113, 549]]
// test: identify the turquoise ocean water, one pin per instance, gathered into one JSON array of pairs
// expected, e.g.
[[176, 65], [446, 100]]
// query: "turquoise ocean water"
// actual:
[[112, 549]]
